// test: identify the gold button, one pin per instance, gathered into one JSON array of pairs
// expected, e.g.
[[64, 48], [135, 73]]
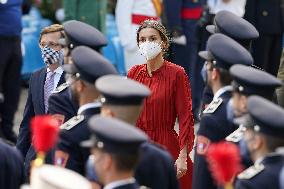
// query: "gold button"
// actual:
[[83, 17], [264, 13]]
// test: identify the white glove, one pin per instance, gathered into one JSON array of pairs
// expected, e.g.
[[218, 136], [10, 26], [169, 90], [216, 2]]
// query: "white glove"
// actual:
[[181, 40]]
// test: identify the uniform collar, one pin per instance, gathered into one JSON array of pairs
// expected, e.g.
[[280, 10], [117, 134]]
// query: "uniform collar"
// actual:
[[88, 106], [120, 183], [222, 91], [260, 160]]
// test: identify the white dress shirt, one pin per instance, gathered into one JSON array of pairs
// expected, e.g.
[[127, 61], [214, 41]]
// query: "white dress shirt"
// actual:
[[88, 106], [221, 91]]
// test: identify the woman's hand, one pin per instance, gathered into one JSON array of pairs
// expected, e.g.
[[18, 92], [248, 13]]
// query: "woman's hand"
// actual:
[[181, 165]]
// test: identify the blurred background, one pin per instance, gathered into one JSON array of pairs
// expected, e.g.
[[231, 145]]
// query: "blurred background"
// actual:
[[185, 22]]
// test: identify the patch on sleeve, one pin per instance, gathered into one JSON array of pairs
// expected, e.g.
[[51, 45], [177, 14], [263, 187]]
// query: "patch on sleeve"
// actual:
[[202, 145], [59, 117], [60, 158]]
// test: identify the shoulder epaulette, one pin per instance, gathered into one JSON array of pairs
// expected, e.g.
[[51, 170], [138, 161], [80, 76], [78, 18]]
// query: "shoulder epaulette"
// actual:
[[213, 106], [237, 135], [251, 171], [72, 122], [61, 87]]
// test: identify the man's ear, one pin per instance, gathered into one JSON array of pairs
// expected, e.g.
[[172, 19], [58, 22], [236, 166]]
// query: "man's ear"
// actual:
[[215, 73], [108, 162], [80, 86], [258, 142], [244, 102], [107, 112]]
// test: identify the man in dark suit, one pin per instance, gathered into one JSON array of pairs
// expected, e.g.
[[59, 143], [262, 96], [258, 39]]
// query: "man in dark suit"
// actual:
[[268, 18], [214, 126], [42, 83], [88, 65], [115, 148], [263, 135], [77, 33], [123, 99]]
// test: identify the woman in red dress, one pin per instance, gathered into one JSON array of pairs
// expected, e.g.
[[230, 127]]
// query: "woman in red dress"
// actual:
[[170, 99]]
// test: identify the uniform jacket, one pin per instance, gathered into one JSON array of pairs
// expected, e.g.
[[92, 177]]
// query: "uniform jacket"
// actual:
[[268, 178], [156, 168], [214, 127], [62, 104], [174, 18], [92, 12], [70, 140], [124, 11], [12, 167], [266, 16]]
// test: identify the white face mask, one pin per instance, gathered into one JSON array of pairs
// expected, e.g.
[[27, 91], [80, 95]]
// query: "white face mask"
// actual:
[[150, 49]]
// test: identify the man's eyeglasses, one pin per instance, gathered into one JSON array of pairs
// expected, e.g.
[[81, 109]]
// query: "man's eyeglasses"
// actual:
[[51, 45]]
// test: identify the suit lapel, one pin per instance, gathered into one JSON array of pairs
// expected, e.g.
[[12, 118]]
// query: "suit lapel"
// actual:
[[41, 82], [62, 79]]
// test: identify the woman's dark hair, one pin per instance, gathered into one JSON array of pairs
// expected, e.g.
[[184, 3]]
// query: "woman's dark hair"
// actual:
[[150, 23]]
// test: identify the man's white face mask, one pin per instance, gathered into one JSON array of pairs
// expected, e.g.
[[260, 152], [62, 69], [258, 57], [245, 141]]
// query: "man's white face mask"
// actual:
[[150, 49]]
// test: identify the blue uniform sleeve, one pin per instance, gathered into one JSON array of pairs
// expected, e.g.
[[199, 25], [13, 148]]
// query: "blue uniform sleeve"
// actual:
[[61, 103], [241, 184]]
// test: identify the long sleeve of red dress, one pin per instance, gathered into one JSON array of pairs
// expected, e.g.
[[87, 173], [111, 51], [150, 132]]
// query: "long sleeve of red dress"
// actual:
[[183, 107]]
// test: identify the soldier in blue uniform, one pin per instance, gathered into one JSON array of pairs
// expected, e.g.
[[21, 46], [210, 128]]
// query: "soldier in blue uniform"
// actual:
[[76, 33], [214, 126], [236, 28], [123, 99], [115, 149], [268, 18], [88, 65], [182, 23], [263, 135], [247, 81]]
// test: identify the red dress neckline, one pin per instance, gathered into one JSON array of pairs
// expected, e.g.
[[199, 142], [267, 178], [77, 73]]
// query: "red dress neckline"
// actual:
[[156, 71]]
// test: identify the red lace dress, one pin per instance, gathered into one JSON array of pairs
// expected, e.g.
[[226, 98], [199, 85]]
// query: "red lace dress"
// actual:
[[170, 99]]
